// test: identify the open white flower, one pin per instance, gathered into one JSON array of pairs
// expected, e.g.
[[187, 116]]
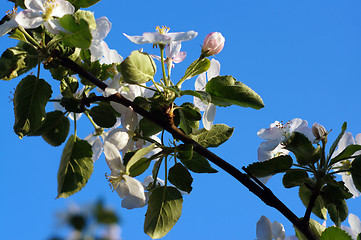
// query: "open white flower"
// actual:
[[129, 189], [162, 36], [200, 84], [355, 226], [98, 48], [346, 140], [44, 11], [7, 26]]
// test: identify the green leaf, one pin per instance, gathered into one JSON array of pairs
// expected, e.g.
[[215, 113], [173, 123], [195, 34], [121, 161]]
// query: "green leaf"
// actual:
[[334, 199], [198, 164], [76, 167], [197, 67], [218, 134], [78, 27], [316, 228], [204, 96], [346, 153], [319, 208], [335, 143], [164, 210], [338, 211], [185, 152], [303, 149], [335, 233], [355, 171], [187, 117], [180, 177], [138, 68], [103, 116], [55, 128], [16, 61], [68, 86], [30, 98], [18, 35], [139, 167], [138, 155], [225, 91], [294, 178], [148, 128], [83, 3], [270, 167]]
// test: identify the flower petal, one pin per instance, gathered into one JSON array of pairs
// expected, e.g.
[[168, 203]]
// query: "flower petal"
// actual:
[[354, 222], [208, 116], [62, 8], [137, 39], [179, 57], [264, 229], [157, 38], [182, 36], [29, 19], [102, 29], [35, 4], [200, 82], [347, 178], [113, 157], [214, 69], [118, 137], [278, 231], [135, 198]]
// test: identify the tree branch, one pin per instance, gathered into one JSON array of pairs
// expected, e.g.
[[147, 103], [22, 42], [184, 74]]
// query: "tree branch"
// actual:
[[261, 191]]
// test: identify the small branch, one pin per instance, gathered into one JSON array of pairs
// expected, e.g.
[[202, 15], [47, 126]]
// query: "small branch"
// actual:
[[261, 191], [310, 206]]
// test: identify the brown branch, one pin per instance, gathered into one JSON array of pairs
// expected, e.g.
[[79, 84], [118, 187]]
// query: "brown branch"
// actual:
[[261, 191]]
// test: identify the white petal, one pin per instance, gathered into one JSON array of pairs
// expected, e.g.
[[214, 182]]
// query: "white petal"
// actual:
[[354, 222], [350, 185], [29, 19], [208, 116], [350, 231], [54, 27], [295, 123], [113, 157], [199, 104], [278, 231], [214, 69], [307, 131], [35, 4], [77, 116], [135, 198], [358, 139], [129, 120], [272, 133], [109, 91], [264, 229], [62, 8], [110, 57], [102, 29], [200, 82], [7, 27], [118, 137], [96, 50], [173, 49], [182, 36], [97, 148], [137, 39], [156, 38]]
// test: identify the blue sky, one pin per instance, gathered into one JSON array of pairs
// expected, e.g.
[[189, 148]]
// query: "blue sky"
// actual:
[[302, 57]]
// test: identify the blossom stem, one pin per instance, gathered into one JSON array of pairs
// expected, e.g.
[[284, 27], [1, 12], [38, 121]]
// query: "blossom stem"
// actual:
[[29, 37], [91, 120], [161, 47], [259, 189]]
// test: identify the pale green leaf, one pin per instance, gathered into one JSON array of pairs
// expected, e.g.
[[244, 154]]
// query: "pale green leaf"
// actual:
[[138, 68], [138, 155], [335, 233], [270, 167], [197, 67], [346, 153]]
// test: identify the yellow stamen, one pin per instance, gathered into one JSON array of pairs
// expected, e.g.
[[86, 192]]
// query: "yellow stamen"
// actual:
[[162, 30]]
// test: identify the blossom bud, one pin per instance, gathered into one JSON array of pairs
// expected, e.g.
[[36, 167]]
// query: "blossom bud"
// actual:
[[213, 44], [319, 132]]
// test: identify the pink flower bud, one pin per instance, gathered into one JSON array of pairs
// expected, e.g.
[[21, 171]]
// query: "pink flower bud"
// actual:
[[213, 44]]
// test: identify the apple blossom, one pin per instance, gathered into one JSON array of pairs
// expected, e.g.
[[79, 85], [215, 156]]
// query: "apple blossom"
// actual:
[[10, 23], [44, 11], [162, 36], [347, 139], [213, 44], [266, 230], [128, 188], [200, 84], [98, 48]]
